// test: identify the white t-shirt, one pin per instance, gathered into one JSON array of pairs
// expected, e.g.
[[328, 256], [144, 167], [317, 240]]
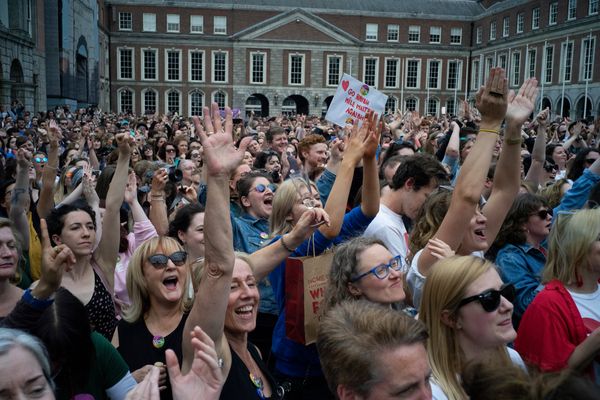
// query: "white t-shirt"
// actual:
[[388, 227], [588, 305]]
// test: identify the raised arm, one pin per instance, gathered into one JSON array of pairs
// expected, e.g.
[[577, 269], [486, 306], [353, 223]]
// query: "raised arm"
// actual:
[[491, 101], [370, 186], [210, 304], [507, 177], [108, 248], [453, 148], [20, 199], [46, 200], [158, 205], [538, 154]]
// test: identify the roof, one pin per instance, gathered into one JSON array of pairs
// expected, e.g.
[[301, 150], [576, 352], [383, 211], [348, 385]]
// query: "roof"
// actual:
[[454, 9]]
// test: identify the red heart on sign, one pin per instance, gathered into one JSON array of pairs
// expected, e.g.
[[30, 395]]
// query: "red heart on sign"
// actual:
[[345, 85]]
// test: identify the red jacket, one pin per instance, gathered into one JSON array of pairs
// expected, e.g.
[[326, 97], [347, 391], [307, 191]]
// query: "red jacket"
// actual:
[[550, 329]]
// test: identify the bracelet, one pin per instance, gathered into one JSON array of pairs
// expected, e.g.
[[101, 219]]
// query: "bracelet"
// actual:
[[490, 131], [157, 199], [38, 304], [285, 246], [513, 141]]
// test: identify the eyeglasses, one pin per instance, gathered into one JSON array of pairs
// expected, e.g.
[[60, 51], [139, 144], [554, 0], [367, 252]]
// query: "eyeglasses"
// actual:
[[590, 160], [382, 271], [260, 188], [490, 299], [543, 214], [40, 159], [159, 261]]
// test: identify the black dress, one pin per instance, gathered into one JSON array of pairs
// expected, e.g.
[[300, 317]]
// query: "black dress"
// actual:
[[137, 347], [238, 384]]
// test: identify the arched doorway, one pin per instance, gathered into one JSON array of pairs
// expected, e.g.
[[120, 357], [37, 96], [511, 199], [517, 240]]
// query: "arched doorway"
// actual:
[[564, 105], [81, 71], [326, 104], [295, 104], [546, 103], [581, 107], [16, 78], [257, 103]]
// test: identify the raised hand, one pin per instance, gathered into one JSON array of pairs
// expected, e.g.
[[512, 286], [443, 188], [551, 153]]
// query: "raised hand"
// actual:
[[124, 143], [439, 249], [23, 158], [492, 98], [356, 144], [89, 191], [521, 105], [543, 117], [54, 134], [131, 188], [372, 140], [220, 155]]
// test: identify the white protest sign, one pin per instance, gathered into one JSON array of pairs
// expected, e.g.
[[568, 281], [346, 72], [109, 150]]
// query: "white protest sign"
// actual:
[[352, 100]]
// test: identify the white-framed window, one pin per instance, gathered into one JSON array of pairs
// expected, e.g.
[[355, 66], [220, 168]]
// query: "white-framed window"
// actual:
[[414, 34], [258, 68], [479, 34], [435, 34], [220, 25], [535, 18], [566, 62], [454, 75], [296, 69], [455, 35], [149, 101], [489, 62], [505, 26], [450, 106], [149, 22], [548, 64], [520, 22], [172, 22], [493, 30], [587, 58], [413, 74], [173, 101], [392, 73], [196, 24], [125, 21], [572, 10], [125, 100], [531, 61], [125, 63], [220, 66], [502, 61], [220, 97], [371, 71], [475, 74], [553, 14], [393, 33], [334, 69], [592, 7], [433, 106], [149, 64], [196, 102], [196, 66], [391, 105], [516, 69], [173, 65], [411, 104], [433, 74], [371, 32]]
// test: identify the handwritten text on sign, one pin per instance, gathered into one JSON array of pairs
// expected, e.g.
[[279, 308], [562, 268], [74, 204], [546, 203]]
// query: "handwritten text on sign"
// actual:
[[352, 100]]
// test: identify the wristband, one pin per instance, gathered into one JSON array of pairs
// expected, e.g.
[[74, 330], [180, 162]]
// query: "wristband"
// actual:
[[513, 141], [36, 303], [285, 246]]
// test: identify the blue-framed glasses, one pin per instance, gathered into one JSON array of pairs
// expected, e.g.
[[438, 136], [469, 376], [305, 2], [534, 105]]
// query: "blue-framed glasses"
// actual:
[[382, 271], [260, 188], [40, 159]]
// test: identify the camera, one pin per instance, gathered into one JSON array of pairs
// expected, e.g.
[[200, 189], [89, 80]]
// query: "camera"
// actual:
[[175, 175]]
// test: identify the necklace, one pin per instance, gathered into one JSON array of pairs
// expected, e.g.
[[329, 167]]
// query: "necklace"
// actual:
[[258, 383], [158, 341]]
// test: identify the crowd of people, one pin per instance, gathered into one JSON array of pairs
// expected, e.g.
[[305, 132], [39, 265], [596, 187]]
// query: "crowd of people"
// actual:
[[150, 257]]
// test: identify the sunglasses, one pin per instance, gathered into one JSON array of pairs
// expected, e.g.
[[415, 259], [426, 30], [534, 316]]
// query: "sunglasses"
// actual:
[[590, 160], [490, 299], [543, 214], [550, 168], [382, 271], [159, 261], [170, 150], [40, 159], [260, 188]]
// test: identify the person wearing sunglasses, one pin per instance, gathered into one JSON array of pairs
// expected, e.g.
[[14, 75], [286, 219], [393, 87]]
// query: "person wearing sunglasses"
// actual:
[[158, 280], [363, 268], [467, 310], [521, 248], [561, 327]]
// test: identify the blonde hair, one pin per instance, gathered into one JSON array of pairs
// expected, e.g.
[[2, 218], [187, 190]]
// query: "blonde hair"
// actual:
[[569, 245], [7, 223], [283, 203], [137, 287], [198, 267], [444, 288]]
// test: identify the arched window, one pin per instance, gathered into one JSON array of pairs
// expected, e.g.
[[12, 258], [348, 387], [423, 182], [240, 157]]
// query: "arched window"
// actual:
[[174, 101], [391, 105], [150, 99], [433, 106], [196, 101], [125, 100], [411, 104], [220, 98]]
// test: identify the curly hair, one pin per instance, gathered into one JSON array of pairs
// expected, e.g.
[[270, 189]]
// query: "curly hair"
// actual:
[[305, 144], [553, 193], [429, 219]]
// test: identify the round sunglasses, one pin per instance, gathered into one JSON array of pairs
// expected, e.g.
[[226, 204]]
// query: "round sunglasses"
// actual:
[[490, 299], [260, 188], [160, 261]]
